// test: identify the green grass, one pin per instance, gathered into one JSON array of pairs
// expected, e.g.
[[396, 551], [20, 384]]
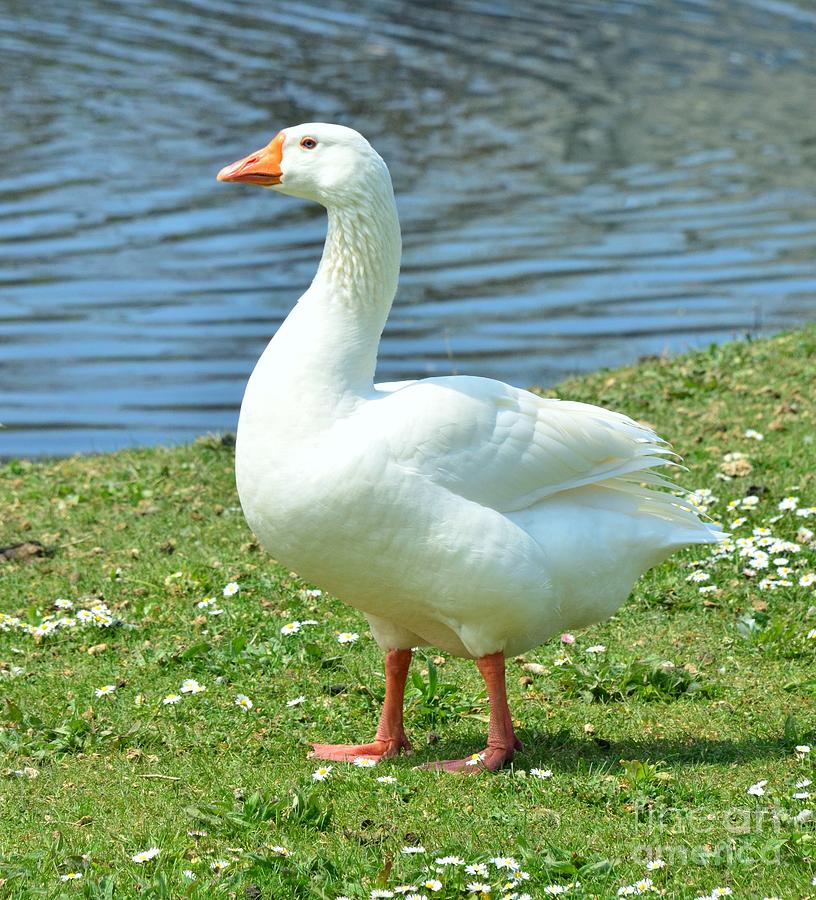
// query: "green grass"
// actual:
[[646, 757]]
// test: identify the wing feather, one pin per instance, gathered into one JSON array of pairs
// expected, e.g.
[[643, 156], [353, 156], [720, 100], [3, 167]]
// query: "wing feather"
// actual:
[[507, 448]]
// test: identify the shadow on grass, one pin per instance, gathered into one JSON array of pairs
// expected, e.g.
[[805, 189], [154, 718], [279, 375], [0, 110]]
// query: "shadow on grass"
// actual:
[[571, 754]]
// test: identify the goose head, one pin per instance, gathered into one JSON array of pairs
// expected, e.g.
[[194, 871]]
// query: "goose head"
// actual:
[[329, 164]]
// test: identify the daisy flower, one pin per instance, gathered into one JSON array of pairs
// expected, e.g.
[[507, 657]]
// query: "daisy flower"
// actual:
[[596, 648], [312, 592], [802, 750], [474, 759], [479, 887], [450, 861], [504, 862], [105, 690], [62, 603], [231, 589], [788, 503], [170, 699], [347, 637], [654, 864], [432, 884], [477, 869], [71, 876], [364, 762], [279, 851], [408, 851], [698, 576], [144, 855], [219, 865], [378, 893], [243, 701], [541, 773], [191, 686], [207, 601], [296, 701], [290, 628], [755, 435], [322, 773], [808, 579], [758, 789], [567, 638], [387, 779], [552, 890]]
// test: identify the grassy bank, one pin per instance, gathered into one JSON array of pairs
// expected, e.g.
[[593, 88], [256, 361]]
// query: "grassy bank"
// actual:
[[652, 744]]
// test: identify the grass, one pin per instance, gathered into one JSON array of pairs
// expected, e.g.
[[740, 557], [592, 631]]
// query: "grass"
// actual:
[[652, 744]]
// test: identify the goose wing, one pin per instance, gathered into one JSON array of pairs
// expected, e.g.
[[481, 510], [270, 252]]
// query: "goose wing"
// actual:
[[507, 448]]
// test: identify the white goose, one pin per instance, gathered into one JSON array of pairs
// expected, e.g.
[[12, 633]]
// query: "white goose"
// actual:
[[456, 512]]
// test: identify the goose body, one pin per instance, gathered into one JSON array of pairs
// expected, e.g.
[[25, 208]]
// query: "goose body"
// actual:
[[457, 512]]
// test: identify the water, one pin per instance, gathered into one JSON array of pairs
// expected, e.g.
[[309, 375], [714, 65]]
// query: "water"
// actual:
[[579, 184]]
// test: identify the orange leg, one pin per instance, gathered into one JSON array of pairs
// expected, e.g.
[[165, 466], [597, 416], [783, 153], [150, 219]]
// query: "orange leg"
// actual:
[[390, 738], [502, 742]]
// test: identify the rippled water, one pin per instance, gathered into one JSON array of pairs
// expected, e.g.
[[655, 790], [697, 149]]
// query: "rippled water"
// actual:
[[579, 184]]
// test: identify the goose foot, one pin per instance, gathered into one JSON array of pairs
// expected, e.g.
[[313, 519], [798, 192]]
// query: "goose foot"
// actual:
[[502, 742], [390, 739], [490, 759], [376, 750]]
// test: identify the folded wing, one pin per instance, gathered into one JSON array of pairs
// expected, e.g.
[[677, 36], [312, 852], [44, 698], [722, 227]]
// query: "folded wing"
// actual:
[[507, 448]]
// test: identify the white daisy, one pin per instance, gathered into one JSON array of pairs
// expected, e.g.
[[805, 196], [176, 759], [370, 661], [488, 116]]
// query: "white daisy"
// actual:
[[191, 686], [322, 773], [105, 690], [478, 869], [243, 701], [144, 855], [231, 589], [347, 637], [170, 699], [505, 862]]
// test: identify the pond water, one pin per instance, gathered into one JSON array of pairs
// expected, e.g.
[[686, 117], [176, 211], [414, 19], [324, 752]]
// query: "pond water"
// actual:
[[579, 184]]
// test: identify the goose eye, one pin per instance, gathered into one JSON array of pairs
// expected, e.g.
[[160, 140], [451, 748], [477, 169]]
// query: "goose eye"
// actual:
[[308, 143]]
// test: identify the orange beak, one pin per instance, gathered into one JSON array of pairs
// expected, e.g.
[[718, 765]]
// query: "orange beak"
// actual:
[[261, 167]]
